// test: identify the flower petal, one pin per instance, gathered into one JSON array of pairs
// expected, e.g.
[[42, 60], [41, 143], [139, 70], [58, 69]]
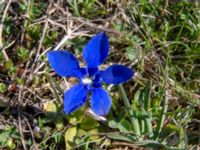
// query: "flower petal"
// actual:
[[92, 71], [83, 71], [97, 80], [116, 74], [100, 101], [96, 50], [64, 63], [74, 98]]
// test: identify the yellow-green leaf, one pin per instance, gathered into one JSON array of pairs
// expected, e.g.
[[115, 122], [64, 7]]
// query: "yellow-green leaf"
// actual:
[[59, 122], [70, 135], [51, 109], [93, 134], [89, 123]]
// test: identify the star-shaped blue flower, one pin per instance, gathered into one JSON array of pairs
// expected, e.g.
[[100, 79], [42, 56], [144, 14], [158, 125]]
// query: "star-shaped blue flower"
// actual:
[[90, 78]]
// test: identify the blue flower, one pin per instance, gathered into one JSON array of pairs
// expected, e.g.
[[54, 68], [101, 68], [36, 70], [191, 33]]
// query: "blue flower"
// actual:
[[90, 78]]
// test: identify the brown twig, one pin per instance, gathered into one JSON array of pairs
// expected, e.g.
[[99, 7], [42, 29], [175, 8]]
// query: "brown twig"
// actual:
[[26, 21], [19, 121], [29, 126], [1, 30]]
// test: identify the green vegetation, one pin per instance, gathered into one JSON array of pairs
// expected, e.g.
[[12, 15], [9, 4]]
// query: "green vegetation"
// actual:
[[158, 108]]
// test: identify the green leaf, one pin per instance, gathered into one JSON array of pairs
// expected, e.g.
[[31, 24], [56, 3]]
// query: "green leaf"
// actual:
[[23, 53], [59, 122], [173, 127], [9, 64], [113, 124], [123, 125], [182, 144], [33, 32], [76, 117], [2, 90], [117, 136], [6, 135], [88, 123], [70, 135], [51, 109], [10, 144], [136, 101], [93, 134], [81, 132], [147, 92], [131, 53]]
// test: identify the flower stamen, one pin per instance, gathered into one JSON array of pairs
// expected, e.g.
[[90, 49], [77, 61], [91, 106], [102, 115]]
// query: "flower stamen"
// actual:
[[87, 80]]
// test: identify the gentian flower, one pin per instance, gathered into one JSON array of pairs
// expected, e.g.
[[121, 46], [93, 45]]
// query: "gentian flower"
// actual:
[[90, 78]]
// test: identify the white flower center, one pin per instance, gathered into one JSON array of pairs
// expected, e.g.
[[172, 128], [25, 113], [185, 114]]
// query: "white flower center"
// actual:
[[87, 80]]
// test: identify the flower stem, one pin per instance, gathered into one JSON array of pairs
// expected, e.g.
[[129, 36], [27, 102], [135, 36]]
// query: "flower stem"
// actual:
[[133, 120], [53, 87]]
